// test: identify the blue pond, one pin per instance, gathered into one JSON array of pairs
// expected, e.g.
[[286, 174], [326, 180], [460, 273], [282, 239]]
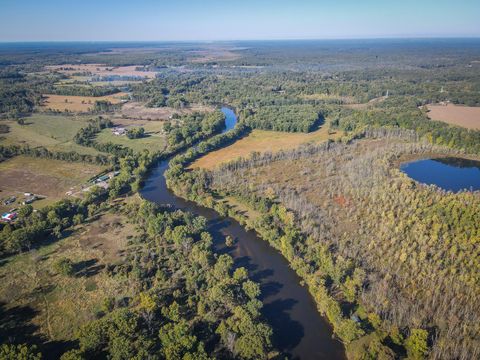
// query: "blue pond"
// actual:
[[451, 174]]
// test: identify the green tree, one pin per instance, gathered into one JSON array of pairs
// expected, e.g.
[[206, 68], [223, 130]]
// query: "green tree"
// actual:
[[64, 267], [176, 340], [416, 344], [19, 352]]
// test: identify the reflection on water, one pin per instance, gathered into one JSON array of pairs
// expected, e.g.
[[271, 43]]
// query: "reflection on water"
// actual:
[[451, 174]]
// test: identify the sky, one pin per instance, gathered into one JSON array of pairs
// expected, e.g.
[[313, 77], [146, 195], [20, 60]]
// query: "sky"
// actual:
[[186, 20]]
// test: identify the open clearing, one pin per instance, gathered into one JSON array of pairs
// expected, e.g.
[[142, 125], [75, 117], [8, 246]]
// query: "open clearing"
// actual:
[[45, 177], [53, 305], [102, 70], [78, 103], [262, 141], [466, 116], [154, 139], [215, 53], [139, 111], [53, 131], [363, 106]]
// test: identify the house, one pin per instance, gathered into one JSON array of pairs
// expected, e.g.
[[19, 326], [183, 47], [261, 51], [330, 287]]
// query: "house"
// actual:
[[119, 131], [9, 216]]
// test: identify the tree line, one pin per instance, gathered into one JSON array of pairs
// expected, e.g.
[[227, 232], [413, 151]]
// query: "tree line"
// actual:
[[397, 232], [192, 303], [10, 151]]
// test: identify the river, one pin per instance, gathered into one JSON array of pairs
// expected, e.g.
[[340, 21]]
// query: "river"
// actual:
[[298, 328]]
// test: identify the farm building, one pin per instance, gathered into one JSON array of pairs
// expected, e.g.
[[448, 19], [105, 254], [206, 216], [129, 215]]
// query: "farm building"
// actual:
[[102, 178]]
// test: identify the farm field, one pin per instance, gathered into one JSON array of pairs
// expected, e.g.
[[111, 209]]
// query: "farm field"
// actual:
[[45, 177], [77, 103], [357, 225], [63, 302], [262, 141], [465, 116], [101, 70], [55, 132], [139, 111], [154, 139]]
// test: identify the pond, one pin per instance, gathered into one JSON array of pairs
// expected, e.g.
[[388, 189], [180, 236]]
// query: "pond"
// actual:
[[449, 173]]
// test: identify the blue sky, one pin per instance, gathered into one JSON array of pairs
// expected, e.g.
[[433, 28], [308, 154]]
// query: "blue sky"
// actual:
[[150, 20]]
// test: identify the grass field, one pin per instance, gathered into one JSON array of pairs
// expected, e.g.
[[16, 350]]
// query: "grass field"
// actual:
[[49, 178], [136, 110], [262, 141], [77, 103], [153, 141], [51, 305], [55, 132], [101, 70], [214, 53], [465, 116]]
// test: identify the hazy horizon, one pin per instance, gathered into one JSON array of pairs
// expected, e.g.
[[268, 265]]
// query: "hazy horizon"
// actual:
[[192, 41], [214, 20]]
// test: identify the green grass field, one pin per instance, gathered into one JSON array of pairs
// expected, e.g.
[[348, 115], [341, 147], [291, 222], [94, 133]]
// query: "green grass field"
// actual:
[[55, 132], [153, 141]]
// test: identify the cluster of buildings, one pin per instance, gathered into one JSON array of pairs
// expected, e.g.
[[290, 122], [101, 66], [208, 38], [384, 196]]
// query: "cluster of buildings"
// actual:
[[102, 181], [11, 215]]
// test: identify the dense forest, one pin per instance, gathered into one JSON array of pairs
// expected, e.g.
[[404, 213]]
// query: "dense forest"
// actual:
[[404, 112], [191, 128], [342, 222], [294, 118], [191, 304], [391, 264]]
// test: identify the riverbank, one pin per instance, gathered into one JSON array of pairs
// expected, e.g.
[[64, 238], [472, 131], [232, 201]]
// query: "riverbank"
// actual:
[[323, 219], [299, 330]]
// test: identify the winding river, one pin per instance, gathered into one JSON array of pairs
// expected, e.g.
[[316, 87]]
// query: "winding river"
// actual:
[[298, 328]]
